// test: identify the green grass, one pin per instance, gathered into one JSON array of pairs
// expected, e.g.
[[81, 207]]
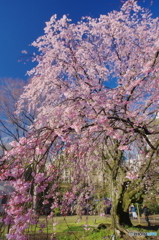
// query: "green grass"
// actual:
[[103, 234], [90, 235], [69, 228], [70, 223], [73, 228]]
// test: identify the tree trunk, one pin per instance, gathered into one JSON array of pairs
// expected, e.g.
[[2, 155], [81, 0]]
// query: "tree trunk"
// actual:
[[124, 219], [35, 198], [120, 217]]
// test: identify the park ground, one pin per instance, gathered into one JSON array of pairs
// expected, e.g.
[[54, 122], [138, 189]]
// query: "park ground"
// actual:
[[87, 228]]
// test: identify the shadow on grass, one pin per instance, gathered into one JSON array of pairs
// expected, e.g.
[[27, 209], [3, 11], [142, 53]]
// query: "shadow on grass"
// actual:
[[154, 228], [75, 234], [74, 228]]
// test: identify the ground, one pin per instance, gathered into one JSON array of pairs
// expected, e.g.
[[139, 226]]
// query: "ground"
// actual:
[[73, 228]]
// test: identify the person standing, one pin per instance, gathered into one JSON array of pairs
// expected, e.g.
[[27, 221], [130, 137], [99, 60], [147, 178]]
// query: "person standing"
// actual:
[[133, 211], [146, 213]]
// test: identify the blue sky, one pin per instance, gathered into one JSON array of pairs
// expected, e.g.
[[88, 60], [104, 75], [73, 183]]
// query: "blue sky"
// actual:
[[22, 22]]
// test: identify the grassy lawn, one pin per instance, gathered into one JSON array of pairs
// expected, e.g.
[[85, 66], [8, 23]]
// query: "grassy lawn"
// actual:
[[73, 222], [68, 228], [73, 228]]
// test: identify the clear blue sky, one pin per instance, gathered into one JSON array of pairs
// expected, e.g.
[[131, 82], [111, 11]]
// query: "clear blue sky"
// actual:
[[22, 21]]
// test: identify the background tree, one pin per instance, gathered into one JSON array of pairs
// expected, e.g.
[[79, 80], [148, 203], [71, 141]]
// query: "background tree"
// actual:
[[12, 127]]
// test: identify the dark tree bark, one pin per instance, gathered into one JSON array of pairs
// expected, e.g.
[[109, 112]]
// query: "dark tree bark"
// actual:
[[124, 218]]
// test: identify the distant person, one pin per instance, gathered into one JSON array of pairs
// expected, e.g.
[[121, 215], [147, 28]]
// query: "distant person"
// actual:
[[130, 212], [146, 213], [4, 199], [109, 209], [133, 211]]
